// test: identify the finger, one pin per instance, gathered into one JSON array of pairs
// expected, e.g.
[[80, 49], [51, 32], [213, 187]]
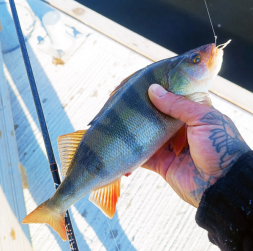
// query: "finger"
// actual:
[[162, 159], [179, 176], [177, 106]]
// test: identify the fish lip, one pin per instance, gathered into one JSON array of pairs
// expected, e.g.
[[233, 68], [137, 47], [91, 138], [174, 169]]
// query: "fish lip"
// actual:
[[215, 59], [212, 56]]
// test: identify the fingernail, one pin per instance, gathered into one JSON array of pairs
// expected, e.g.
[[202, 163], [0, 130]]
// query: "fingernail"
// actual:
[[158, 90]]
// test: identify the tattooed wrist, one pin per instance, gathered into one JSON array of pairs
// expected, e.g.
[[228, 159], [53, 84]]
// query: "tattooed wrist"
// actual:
[[227, 146], [202, 182], [226, 139]]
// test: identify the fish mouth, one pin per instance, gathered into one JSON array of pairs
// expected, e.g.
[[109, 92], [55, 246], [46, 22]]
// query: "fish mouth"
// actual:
[[215, 59]]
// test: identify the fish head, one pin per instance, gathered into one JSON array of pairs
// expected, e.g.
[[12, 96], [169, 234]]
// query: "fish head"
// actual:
[[195, 70]]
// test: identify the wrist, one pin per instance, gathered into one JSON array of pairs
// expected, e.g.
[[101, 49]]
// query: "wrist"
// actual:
[[226, 208], [214, 177], [197, 194]]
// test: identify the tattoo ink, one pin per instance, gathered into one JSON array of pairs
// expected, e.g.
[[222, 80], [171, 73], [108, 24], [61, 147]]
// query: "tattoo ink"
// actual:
[[191, 163], [226, 138], [201, 185]]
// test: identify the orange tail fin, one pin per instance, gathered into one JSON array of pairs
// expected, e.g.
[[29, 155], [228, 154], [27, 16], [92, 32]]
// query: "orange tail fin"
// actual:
[[44, 214]]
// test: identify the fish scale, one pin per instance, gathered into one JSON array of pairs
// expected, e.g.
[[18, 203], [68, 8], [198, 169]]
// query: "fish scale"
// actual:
[[125, 134]]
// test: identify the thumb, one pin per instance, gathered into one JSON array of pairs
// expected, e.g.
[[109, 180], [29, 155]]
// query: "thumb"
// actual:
[[176, 105]]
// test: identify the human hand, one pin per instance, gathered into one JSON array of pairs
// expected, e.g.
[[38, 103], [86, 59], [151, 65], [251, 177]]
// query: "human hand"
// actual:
[[214, 144]]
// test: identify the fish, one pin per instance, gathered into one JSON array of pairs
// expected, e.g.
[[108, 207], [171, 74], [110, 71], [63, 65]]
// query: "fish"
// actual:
[[126, 132]]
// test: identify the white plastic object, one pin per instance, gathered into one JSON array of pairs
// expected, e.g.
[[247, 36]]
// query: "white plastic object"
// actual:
[[56, 31]]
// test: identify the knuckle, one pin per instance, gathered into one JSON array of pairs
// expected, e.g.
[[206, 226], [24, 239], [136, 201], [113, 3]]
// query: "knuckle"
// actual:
[[179, 99]]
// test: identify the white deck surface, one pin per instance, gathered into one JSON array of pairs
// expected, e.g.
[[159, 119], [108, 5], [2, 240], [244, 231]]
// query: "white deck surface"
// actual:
[[13, 235], [149, 216]]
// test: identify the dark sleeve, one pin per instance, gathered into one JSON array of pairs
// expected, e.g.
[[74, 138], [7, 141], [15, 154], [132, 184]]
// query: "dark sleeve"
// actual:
[[226, 208]]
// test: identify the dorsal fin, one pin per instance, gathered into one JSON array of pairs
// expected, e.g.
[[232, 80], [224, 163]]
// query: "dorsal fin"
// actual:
[[67, 145], [112, 97], [123, 82], [106, 197]]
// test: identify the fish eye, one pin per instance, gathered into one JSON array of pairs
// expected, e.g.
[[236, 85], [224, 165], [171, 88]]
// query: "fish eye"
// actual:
[[195, 58]]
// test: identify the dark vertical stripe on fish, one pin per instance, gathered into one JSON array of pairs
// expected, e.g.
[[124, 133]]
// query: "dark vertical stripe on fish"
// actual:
[[114, 126], [139, 103], [151, 76], [92, 162]]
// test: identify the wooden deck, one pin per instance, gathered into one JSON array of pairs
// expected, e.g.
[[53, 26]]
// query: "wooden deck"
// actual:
[[13, 235], [149, 216]]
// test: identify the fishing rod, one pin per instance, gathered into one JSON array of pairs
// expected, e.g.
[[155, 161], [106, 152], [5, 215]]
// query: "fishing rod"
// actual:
[[43, 125]]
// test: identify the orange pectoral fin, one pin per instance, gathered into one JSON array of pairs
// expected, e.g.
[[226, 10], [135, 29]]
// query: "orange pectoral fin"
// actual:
[[180, 139], [105, 198]]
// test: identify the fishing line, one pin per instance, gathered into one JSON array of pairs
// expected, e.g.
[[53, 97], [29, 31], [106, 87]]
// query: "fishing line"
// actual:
[[112, 233], [42, 121], [215, 37]]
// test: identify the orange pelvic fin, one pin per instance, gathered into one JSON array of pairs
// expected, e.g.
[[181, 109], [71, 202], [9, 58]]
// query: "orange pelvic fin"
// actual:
[[43, 214], [105, 198], [180, 139], [67, 145]]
